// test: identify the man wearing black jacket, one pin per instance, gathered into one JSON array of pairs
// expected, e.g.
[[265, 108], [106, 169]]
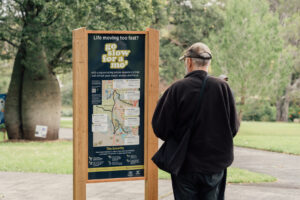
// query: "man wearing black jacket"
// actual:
[[210, 150]]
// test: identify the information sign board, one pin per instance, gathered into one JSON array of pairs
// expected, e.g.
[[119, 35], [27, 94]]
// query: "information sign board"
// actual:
[[115, 90], [116, 81]]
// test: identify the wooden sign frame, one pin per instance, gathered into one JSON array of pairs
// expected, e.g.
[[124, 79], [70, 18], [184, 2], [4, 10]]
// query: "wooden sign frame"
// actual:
[[80, 111]]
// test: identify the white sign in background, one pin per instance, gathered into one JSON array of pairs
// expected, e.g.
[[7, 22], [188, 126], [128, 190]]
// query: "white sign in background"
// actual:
[[41, 131]]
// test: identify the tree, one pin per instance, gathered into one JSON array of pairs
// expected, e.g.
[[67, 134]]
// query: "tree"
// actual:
[[290, 20], [40, 33], [189, 22], [247, 49]]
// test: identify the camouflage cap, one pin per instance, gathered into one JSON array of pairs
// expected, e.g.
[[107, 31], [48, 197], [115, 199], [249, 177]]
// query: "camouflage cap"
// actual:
[[197, 50]]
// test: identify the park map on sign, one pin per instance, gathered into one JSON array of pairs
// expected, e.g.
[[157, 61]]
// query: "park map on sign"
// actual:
[[116, 121]]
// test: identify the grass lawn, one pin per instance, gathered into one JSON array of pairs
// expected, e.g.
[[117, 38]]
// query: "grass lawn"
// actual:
[[278, 137], [56, 157], [2, 136], [66, 123], [235, 175], [48, 157]]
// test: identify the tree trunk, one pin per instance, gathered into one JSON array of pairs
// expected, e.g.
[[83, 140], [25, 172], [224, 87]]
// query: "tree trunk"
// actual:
[[41, 99], [282, 108], [242, 103], [34, 95], [41, 104], [13, 121], [240, 115]]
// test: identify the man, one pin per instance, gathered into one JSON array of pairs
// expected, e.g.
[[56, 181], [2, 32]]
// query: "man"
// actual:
[[210, 150]]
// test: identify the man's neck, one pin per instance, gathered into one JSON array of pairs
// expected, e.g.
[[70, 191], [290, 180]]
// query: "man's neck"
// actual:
[[200, 68]]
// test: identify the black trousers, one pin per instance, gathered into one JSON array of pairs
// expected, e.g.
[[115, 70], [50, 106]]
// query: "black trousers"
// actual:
[[199, 186]]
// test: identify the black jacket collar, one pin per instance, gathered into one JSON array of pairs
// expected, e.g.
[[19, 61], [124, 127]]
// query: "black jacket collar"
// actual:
[[196, 73]]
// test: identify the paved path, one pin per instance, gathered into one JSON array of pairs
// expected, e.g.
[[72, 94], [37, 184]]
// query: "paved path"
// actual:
[[37, 186], [286, 168], [65, 133]]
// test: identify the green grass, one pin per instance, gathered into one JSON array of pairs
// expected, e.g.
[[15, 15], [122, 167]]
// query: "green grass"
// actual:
[[47, 157], [2, 136], [277, 137], [56, 157], [235, 175], [66, 123]]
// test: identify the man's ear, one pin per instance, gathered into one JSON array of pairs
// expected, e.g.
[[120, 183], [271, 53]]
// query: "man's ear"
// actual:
[[189, 62]]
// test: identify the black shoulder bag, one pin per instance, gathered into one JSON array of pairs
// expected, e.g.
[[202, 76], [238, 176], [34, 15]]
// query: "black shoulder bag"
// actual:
[[172, 153]]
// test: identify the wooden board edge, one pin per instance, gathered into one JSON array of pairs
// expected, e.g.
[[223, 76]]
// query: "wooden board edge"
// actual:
[[79, 59], [151, 183], [115, 32], [115, 180]]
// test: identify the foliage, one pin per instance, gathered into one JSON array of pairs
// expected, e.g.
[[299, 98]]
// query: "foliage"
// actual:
[[247, 49], [294, 112], [159, 17], [290, 20], [67, 111], [188, 22], [41, 33], [260, 112], [48, 25], [194, 20], [2, 126], [279, 137], [170, 67]]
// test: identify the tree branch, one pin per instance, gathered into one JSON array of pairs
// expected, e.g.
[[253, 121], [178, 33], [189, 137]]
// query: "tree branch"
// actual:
[[9, 42], [51, 22], [58, 56], [22, 9], [20, 4]]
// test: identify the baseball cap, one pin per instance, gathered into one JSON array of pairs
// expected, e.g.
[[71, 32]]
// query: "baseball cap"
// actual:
[[197, 50]]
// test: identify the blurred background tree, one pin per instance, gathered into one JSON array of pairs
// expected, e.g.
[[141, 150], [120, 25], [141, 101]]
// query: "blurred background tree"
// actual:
[[256, 43], [251, 44], [289, 96], [248, 49], [39, 33], [188, 22]]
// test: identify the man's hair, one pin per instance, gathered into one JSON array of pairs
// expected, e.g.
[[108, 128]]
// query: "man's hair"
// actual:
[[198, 62]]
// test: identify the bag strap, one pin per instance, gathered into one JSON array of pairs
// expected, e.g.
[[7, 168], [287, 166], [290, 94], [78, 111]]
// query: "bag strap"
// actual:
[[197, 110], [200, 102]]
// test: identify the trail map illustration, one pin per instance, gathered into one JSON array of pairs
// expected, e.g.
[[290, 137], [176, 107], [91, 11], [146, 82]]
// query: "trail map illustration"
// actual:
[[116, 121]]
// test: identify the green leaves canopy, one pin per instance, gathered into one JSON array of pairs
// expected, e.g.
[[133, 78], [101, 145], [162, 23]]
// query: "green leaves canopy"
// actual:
[[46, 26], [188, 22], [248, 50]]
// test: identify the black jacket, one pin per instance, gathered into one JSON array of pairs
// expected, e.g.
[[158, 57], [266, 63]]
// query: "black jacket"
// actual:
[[211, 146]]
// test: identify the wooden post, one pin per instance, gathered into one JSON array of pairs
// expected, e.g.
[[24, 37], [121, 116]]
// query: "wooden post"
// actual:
[[80, 117], [152, 81]]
